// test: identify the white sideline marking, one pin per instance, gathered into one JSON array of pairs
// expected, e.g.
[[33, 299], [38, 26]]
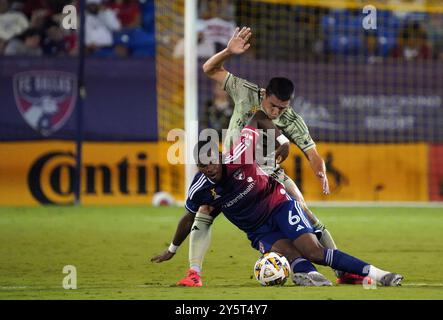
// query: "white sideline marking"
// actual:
[[422, 285], [379, 204]]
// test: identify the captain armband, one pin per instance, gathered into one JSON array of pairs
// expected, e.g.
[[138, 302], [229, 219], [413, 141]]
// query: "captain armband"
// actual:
[[281, 139]]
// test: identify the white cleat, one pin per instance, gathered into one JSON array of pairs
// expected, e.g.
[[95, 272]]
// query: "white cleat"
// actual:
[[311, 279], [391, 280]]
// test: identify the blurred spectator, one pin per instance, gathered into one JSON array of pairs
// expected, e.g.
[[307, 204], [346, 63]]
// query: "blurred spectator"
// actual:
[[12, 23], [2, 46], [372, 47], [224, 9], [54, 42], [214, 35], [412, 43], [99, 25], [399, 3], [39, 17], [29, 7], [215, 26], [128, 12], [308, 36], [51, 6], [27, 44], [218, 111], [434, 30]]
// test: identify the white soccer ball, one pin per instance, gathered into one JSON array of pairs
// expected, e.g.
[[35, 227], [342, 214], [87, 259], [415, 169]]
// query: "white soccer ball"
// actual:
[[162, 199], [272, 269]]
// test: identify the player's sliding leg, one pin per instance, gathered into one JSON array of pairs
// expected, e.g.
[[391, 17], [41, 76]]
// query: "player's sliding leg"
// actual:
[[200, 239], [308, 245], [304, 272], [326, 238]]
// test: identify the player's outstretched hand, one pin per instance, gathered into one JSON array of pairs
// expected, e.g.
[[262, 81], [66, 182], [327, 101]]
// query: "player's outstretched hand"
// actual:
[[324, 182], [238, 43], [166, 255]]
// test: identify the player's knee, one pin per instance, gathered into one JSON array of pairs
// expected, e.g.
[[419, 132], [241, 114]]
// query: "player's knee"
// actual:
[[288, 251], [315, 255], [206, 210], [289, 254]]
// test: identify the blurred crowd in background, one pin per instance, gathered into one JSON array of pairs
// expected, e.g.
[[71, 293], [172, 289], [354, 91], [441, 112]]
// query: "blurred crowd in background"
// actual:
[[292, 32], [308, 33], [122, 28], [126, 28], [113, 28]]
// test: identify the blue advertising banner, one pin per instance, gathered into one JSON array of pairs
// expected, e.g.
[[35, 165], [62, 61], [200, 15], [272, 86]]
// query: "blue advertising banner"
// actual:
[[37, 99]]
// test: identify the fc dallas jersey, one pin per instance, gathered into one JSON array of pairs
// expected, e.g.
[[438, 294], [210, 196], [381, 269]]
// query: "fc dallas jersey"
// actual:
[[245, 194]]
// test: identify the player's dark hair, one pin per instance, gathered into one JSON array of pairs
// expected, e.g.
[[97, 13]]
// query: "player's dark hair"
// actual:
[[205, 150], [282, 88]]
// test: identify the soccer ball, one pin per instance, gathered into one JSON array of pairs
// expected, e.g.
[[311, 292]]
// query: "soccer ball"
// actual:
[[272, 269], [162, 199]]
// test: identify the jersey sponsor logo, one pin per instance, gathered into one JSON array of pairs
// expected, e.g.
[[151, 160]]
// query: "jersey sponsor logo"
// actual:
[[300, 227], [240, 196], [45, 99]]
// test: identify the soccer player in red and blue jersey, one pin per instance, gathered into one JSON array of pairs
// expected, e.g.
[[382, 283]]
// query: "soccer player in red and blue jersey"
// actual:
[[248, 98], [259, 206]]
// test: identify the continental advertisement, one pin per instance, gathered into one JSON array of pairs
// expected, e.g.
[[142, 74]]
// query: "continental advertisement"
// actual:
[[33, 173]]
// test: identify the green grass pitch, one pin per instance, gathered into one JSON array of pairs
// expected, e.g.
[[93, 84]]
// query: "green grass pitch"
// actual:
[[111, 246]]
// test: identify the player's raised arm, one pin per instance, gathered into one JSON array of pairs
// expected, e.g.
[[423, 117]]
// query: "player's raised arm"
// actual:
[[238, 44]]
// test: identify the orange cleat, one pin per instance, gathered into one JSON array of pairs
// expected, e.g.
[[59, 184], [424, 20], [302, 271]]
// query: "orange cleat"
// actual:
[[350, 278], [192, 279]]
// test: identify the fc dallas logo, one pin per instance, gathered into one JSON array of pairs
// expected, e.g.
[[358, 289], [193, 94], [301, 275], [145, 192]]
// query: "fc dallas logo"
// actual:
[[45, 98]]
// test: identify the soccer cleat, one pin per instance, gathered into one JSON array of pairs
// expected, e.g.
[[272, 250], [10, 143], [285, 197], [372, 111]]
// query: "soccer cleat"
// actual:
[[192, 279], [349, 278], [311, 279], [391, 280]]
